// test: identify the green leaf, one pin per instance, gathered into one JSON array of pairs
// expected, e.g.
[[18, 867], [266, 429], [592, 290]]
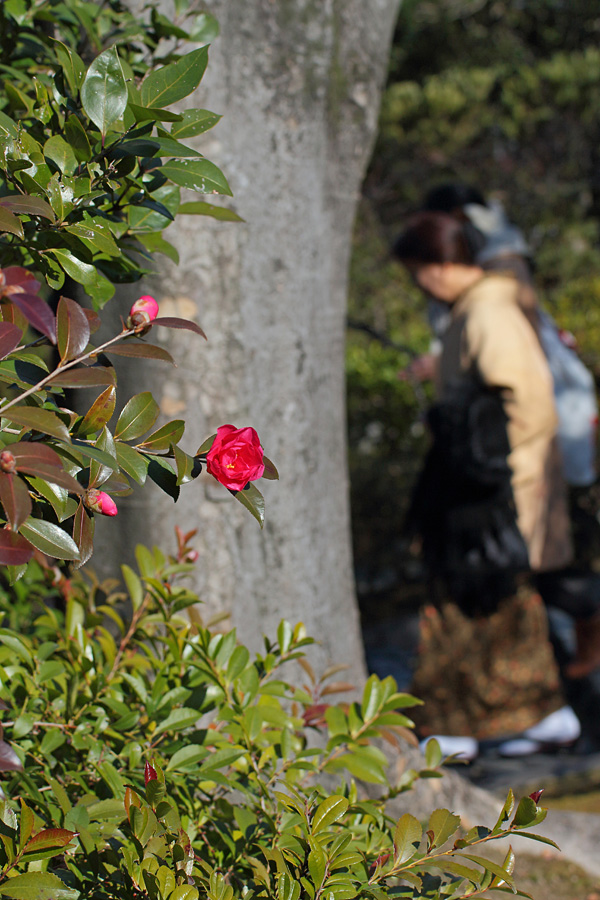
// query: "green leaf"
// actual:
[[186, 758], [194, 122], [37, 886], [372, 698], [15, 499], [72, 65], [137, 417], [442, 824], [50, 539], [37, 419], [254, 501], [526, 813], [78, 139], [99, 413], [10, 223], [171, 83], [407, 837], [178, 720], [152, 114], [57, 496], [161, 440], [490, 866], [104, 90], [61, 153], [72, 329], [198, 175], [83, 534], [162, 474], [131, 462], [99, 240], [200, 208], [328, 812], [99, 471], [317, 864]]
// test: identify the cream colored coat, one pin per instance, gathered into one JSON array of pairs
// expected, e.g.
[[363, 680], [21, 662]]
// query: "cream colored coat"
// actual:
[[489, 338]]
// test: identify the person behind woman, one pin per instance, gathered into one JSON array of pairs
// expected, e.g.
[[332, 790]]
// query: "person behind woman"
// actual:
[[490, 346]]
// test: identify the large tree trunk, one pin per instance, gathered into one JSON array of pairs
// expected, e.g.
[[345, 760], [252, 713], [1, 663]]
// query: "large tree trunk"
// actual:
[[299, 85]]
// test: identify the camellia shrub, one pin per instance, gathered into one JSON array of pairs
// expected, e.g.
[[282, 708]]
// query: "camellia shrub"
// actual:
[[157, 757]]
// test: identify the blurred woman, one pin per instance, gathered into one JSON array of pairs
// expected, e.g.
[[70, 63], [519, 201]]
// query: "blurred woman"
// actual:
[[492, 477]]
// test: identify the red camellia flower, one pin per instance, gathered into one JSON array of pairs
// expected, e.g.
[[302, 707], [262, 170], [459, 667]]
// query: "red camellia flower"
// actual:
[[235, 457], [100, 502]]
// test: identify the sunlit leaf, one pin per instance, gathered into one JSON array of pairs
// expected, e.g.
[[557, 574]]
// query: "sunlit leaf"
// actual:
[[200, 208], [28, 205], [50, 539], [104, 90], [10, 223], [165, 86], [194, 122], [254, 501], [36, 419], [37, 886], [99, 413], [161, 440], [199, 175], [407, 837]]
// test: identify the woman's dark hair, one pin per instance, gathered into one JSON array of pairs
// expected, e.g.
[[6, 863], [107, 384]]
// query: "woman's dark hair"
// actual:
[[436, 237], [452, 196]]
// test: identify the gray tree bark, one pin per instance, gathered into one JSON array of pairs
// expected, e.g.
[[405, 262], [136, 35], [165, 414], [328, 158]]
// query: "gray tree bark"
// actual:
[[298, 83]]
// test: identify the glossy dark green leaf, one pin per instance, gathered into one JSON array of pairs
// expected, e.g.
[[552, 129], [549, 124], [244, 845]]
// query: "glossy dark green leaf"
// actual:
[[137, 417], [57, 497], [206, 445], [36, 419], [78, 139], [10, 338], [99, 240], [194, 122], [132, 462], [50, 539], [71, 63], [8, 127], [153, 114], [165, 86], [162, 439], [198, 175], [163, 475], [15, 499], [200, 208], [186, 324], [10, 223], [185, 464], [72, 329], [77, 269], [15, 550], [140, 351], [29, 206], [37, 886], [104, 90], [83, 534], [61, 153], [99, 413], [329, 811], [100, 472], [155, 243], [254, 501], [168, 146], [85, 377]]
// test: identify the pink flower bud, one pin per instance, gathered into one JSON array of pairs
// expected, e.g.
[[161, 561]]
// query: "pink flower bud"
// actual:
[[99, 501], [149, 773], [142, 313], [7, 461]]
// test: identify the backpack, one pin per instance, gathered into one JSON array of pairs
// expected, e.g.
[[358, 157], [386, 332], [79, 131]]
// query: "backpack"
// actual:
[[576, 405]]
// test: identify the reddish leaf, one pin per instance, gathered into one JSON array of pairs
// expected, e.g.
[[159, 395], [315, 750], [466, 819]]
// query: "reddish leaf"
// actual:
[[30, 206], [38, 459], [95, 376], [37, 313], [72, 329], [15, 499], [149, 773], [173, 322], [10, 337], [13, 315], [16, 279], [47, 839], [83, 534], [270, 473], [99, 412], [94, 320], [9, 761], [14, 549], [141, 351], [36, 419]]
